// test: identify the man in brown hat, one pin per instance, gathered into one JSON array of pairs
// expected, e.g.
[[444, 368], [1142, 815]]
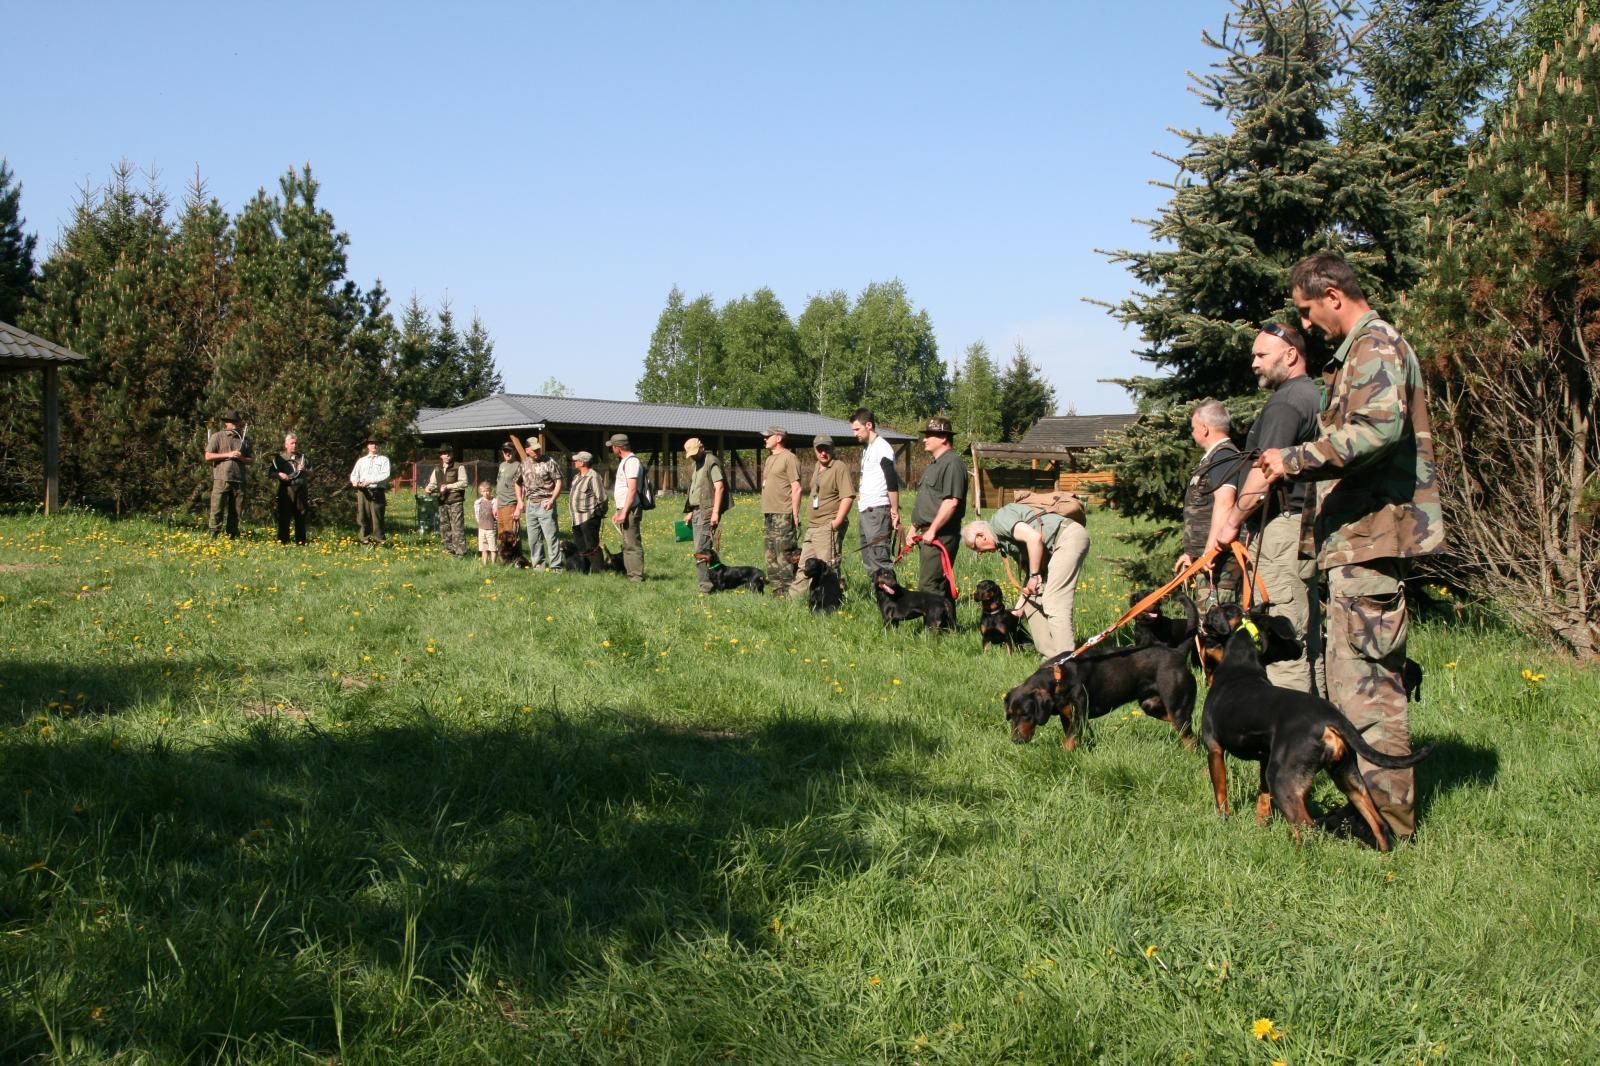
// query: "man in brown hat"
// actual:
[[705, 503], [227, 451], [941, 504], [541, 488], [626, 493], [780, 510], [833, 490], [370, 478], [449, 480]]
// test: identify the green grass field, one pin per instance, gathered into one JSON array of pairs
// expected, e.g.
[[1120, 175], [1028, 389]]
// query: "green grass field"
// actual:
[[265, 804]]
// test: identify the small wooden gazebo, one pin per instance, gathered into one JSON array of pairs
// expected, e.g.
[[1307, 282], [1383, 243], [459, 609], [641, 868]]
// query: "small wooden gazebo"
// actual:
[[21, 350]]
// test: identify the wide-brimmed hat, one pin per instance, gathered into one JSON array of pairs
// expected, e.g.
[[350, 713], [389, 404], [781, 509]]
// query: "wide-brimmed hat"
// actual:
[[447, 448], [776, 431], [822, 440], [373, 440], [535, 443], [233, 416], [693, 447], [618, 440], [582, 457], [938, 427]]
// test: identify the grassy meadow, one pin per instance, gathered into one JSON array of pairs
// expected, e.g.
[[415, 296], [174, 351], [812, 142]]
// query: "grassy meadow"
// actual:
[[268, 804]]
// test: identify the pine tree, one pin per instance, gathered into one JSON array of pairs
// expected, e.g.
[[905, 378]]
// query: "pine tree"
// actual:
[[1507, 320], [975, 399], [16, 248], [1246, 205], [480, 377], [1025, 397]]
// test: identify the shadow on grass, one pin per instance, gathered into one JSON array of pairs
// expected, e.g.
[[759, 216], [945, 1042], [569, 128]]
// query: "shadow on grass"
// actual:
[[249, 878], [1454, 764], [73, 690]]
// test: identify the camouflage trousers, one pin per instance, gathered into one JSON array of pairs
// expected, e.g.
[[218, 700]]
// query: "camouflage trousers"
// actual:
[[1291, 584], [452, 524], [778, 535], [705, 539], [1366, 658]]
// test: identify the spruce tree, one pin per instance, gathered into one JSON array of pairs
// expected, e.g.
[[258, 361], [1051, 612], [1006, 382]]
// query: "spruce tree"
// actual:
[[1247, 203], [1025, 396], [16, 248], [1507, 321], [975, 401], [480, 377]]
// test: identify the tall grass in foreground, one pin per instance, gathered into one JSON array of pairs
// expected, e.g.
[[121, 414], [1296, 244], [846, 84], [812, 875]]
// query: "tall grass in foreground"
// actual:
[[263, 804]]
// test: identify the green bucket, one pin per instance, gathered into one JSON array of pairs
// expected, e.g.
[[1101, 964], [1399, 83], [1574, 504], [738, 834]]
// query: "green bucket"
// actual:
[[682, 530]]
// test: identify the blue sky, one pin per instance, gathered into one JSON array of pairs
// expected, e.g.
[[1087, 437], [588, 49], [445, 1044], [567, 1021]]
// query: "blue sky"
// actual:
[[558, 168]]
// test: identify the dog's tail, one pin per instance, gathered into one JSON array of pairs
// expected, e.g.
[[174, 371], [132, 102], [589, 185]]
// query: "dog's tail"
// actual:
[[1353, 737], [1193, 614]]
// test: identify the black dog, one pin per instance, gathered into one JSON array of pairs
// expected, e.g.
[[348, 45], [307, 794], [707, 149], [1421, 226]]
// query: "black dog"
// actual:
[[1291, 734], [898, 605], [997, 624], [728, 578], [825, 594], [1076, 690], [1153, 627], [609, 562], [510, 544]]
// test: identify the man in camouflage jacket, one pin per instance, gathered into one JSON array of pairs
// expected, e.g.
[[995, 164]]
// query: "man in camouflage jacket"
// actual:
[[1377, 507]]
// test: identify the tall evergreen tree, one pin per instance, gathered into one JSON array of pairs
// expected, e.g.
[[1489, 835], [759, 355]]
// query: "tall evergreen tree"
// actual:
[[1248, 202], [975, 399], [1025, 396], [16, 248], [1507, 320], [411, 369], [480, 377]]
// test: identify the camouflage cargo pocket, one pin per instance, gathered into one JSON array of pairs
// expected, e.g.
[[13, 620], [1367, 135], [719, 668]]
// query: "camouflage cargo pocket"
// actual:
[[1377, 625]]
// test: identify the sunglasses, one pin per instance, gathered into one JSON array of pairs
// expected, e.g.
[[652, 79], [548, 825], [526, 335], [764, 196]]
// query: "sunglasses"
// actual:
[[1281, 333]]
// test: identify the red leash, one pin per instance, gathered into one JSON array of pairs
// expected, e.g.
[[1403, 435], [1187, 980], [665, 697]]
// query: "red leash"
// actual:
[[944, 562]]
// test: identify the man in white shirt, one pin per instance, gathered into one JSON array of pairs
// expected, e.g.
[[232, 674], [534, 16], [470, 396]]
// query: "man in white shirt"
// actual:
[[370, 478], [625, 493], [878, 496]]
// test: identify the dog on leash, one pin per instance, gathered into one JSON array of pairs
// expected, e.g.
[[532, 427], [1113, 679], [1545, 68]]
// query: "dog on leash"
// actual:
[[998, 624], [826, 593], [727, 578], [1153, 627], [1099, 681], [509, 541], [1292, 734], [898, 604]]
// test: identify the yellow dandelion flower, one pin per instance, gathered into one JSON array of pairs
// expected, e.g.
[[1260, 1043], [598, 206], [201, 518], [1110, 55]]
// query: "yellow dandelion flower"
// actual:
[[1150, 952], [1263, 1029], [874, 981]]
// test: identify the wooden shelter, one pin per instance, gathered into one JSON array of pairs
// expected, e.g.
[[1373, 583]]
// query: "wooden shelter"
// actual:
[[1054, 454], [21, 351]]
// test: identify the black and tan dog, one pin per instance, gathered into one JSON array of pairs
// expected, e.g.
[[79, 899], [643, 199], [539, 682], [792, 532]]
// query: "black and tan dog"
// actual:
[[1153, 627], [509, 543], [1291, 734], [1076, 690], [997, 624], [898, 604], [826, 593], [728, 578]]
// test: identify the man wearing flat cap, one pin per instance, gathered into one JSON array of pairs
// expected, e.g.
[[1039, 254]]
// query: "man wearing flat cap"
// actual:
[[227, 451], [833, 490], [780, 510], [449, 481], [941, 504], [370, 478], [626, 493], [588, 501], [705, 503], [541, 488]]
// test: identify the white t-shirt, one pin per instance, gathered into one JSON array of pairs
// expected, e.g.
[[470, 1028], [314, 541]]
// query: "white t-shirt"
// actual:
[[627, 470], [874, 489]]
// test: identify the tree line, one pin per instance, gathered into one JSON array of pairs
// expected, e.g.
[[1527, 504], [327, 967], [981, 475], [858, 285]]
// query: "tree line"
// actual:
[[187, 311], [875, 351], [1449, 150]]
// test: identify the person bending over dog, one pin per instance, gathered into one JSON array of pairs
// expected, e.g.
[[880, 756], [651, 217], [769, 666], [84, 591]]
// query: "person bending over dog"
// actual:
[[1053, 548]]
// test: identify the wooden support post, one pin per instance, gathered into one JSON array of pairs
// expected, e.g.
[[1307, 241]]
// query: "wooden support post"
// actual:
[[52, 429]]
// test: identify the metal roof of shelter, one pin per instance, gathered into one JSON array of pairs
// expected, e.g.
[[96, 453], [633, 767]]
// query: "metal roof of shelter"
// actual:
[[1071, 431], [19, 348], [519, 411]]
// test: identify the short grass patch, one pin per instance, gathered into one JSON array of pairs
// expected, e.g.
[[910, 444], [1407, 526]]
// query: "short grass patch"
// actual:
[[278, 804]]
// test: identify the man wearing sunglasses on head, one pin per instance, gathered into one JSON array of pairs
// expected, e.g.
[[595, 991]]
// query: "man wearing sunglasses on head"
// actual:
[[1278, 357]]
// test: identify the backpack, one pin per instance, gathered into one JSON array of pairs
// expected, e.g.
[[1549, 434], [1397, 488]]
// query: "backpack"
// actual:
[[645, 499], [1065, 504]]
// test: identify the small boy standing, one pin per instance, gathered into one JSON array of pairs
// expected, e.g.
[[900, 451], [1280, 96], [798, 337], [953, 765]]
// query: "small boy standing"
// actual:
[[485, 514]]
